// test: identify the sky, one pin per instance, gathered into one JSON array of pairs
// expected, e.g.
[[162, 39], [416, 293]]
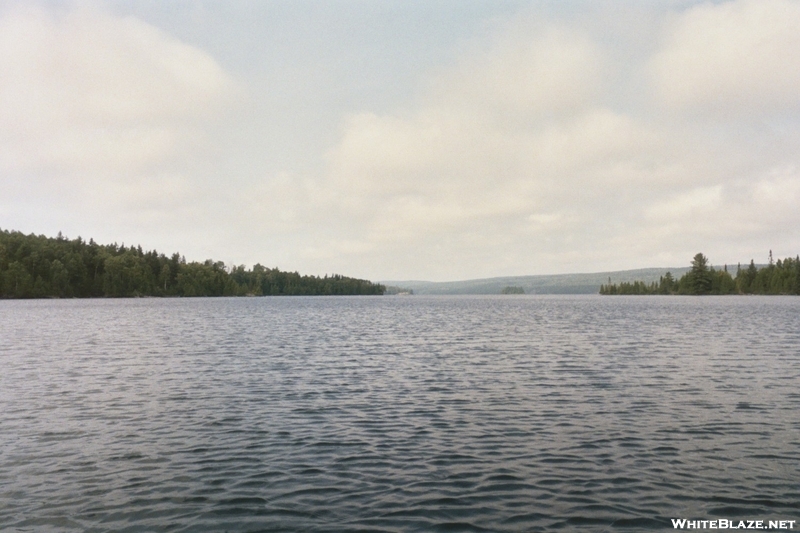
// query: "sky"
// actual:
[[397, 140]]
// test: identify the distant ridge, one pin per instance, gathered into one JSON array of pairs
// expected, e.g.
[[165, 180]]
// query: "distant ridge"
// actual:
[[548, 284]]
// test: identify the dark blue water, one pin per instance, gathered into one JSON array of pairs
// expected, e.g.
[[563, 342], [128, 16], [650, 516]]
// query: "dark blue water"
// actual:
[[398, 413]]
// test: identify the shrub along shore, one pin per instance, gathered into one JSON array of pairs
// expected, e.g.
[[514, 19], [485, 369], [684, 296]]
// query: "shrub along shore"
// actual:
[[781, 277], [34, 266]]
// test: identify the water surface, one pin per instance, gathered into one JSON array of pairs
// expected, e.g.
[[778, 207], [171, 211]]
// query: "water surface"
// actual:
[[579, 413]]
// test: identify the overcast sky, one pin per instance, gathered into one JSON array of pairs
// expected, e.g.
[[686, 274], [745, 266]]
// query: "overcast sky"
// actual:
[[436, 140]]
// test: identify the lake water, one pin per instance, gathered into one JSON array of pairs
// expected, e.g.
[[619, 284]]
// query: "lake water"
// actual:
[[392, 414]]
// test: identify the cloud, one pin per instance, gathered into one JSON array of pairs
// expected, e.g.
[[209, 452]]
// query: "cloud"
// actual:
[[520, 146], [685, 207], [524, 73], [542, 146], [733, 57], [480, 128], [88, 91], [107, 128]]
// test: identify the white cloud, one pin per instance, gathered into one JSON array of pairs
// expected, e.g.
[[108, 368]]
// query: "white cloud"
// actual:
[[85, 90], [524, 74], [106, 128], [517, 147], [469, 146], [741, 56], [686, 207], [535, 150]]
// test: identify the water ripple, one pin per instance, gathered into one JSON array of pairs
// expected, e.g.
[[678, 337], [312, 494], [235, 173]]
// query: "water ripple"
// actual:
[[397, 414]]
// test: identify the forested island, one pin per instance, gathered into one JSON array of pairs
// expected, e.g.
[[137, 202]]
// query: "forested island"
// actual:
[[34, 266], [512, 289], [781, 277]]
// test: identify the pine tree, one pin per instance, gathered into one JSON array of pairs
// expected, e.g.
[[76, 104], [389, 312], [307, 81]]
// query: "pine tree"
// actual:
[[700, 281]]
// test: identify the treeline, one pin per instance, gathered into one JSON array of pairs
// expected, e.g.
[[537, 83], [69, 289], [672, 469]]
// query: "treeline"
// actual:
[[781, 277], [34, 266]]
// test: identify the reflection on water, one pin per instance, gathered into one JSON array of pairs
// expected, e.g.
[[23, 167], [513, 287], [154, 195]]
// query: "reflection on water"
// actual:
[[398, 414]]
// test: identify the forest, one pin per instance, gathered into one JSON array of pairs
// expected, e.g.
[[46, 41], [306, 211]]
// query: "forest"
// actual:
[[34, 266], [781, 277]]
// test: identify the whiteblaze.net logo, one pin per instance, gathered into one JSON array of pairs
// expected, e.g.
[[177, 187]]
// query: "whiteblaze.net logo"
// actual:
[[684, 523]]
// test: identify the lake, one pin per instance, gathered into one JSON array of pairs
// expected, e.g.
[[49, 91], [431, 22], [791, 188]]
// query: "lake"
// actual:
[[394, 414]]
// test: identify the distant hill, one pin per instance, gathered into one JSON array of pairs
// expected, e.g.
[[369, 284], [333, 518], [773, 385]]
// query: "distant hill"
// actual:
[[551, 284]]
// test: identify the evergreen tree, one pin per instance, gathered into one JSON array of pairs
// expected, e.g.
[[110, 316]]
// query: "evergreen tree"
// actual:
[[778, 277], [700, 280], [36, 266]]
